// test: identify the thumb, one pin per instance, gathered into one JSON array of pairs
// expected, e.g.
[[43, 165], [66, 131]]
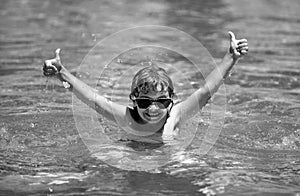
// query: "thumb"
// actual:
[[57, 51], [232, 36], [233, 43]]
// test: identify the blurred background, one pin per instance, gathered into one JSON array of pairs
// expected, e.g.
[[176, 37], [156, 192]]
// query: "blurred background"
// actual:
[[257, 152]]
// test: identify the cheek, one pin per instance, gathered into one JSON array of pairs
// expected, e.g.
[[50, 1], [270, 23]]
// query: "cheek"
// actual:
[[164, 111], [140, 112]]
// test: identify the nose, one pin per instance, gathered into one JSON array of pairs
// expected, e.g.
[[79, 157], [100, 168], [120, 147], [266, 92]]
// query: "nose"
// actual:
[[153, 107]]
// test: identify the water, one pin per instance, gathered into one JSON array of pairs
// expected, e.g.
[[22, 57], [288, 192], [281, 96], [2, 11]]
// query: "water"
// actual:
[[257, 152]]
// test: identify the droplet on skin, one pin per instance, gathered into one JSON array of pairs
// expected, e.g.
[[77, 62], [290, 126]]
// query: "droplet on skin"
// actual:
[[66, 85]]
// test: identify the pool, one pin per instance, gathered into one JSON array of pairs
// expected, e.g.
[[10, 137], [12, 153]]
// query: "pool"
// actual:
[[256, 153]]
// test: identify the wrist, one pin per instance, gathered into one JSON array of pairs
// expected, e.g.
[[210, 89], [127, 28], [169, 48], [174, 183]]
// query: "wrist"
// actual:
[[230, 57], [61, 75], [64, 77], [228, 62]]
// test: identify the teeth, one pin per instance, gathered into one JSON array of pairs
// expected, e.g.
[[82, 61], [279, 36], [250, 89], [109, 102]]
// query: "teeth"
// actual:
[[153, 115]]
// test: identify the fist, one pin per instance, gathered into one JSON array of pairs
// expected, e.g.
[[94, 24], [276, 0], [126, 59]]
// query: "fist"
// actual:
[[53, 66], [238, 47]]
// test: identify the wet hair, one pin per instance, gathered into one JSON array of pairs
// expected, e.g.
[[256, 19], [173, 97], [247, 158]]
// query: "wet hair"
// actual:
[[151, 78]]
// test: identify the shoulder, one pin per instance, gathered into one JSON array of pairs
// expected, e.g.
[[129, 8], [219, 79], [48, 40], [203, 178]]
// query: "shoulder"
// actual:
[[180, 111], [176, 107], [175, 113]]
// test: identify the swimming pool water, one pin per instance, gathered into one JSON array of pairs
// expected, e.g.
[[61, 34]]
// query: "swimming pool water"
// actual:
[[257, 152]]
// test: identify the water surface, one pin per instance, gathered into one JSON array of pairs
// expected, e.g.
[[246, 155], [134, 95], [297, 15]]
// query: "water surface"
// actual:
[[257, 152]]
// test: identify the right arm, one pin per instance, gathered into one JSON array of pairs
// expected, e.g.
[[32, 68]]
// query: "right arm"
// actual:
[[84, 92]]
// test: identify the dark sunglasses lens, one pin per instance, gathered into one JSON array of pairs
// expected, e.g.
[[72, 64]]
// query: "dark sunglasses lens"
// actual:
[[165, 102], [143, 103]]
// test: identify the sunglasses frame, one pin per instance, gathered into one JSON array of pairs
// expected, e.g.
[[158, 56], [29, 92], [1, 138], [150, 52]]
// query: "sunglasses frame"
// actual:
[[151, 101]]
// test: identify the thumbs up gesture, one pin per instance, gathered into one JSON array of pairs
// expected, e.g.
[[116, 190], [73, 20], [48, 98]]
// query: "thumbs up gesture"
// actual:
[[52, 66], [238, 47]]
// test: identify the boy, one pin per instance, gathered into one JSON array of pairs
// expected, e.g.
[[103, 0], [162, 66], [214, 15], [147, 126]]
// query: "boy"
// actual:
[[152, 93]]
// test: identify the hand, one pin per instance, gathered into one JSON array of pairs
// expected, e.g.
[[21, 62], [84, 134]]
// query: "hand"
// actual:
[[53, 66], [238, 48]]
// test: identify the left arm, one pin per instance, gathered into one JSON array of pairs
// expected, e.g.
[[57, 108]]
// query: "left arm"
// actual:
[[199, 98]]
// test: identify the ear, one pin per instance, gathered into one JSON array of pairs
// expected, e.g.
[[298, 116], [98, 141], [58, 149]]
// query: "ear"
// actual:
[[173, 96], [134, 104], [132, 97], [175, 99]]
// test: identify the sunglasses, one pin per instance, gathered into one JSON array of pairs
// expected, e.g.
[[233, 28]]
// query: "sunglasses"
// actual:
[[144, 103]]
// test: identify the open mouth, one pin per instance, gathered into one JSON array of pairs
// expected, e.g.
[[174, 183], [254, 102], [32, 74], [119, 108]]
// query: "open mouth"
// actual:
[[152, 115]]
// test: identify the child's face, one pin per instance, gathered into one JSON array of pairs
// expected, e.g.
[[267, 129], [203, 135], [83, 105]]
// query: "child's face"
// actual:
[[156, 110]]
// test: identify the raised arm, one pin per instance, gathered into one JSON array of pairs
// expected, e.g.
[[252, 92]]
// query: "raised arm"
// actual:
[[84, 92], [198, 99]]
